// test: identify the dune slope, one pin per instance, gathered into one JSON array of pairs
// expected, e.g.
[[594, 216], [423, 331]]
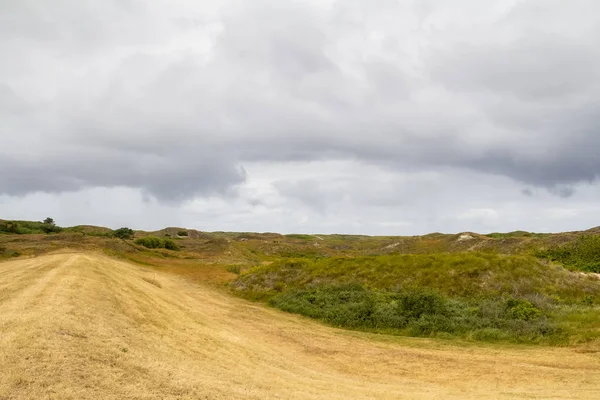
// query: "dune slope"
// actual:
[[86, 326]]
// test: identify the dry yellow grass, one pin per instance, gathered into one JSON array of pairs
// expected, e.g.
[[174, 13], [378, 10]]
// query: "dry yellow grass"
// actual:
[[86, 326]]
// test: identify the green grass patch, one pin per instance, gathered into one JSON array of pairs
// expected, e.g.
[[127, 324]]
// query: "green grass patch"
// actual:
[[454, 275], [583, 254]]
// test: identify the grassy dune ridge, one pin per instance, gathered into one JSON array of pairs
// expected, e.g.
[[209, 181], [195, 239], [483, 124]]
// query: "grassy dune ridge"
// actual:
[[516, 286], [461, 274]]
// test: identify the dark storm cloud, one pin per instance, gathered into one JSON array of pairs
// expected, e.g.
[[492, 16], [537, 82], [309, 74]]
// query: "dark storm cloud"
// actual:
[[174, 98]]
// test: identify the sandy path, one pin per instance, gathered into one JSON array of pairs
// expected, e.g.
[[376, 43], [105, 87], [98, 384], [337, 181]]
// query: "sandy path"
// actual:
[[80, 325]]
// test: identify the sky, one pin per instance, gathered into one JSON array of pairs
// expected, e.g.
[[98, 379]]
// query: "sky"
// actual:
[[372, 117]]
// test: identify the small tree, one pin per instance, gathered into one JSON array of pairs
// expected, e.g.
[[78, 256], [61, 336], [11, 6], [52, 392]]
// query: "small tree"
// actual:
[[123, 233], [48, 226]]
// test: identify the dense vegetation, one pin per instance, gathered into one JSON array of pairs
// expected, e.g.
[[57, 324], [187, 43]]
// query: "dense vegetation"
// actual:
[[123, 233], [29, 227], [582, 254], [479, 296], [420, 312], [152, 242]]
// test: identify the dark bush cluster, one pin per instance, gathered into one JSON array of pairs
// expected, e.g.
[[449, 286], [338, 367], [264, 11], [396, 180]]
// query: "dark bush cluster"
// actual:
[[123, 233], [153, 242], [417, 312]]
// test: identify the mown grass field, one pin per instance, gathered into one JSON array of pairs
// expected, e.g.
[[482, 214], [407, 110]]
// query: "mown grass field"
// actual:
[[81, 325]]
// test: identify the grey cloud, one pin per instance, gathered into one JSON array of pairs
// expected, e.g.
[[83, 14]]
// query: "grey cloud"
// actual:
[[174, 100], [169, 179], [308, 191], [532, 69], [527, 192], [563, 191], [10, 103]]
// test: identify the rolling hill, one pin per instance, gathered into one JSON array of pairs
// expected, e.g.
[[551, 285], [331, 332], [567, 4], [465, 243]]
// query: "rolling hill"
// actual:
[[81, 325]]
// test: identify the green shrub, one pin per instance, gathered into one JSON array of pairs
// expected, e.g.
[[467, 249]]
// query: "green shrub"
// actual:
[[583, 254], [522, 309], [588, 301], [182, 233], [9, 227], [150, 242], [123, 233], [416, 303], [170, 245], [48, 226], [417, 312], [471, 295]]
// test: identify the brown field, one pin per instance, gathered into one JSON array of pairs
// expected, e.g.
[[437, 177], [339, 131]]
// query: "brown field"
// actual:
[[82, 325]]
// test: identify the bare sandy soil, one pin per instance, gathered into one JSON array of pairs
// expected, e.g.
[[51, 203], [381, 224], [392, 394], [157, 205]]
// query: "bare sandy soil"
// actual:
[[85, 326]]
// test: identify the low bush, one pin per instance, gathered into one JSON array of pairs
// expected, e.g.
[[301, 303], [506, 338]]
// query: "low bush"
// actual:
[[170, 245], [522, 309], [123, 233], [152, 242], [417, 313]]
